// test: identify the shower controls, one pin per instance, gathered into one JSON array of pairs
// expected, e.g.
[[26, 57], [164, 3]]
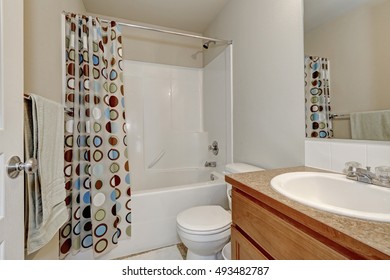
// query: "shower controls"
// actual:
[[214, 148]]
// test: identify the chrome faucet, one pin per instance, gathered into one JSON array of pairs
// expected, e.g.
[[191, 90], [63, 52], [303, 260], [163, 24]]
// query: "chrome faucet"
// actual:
[[380, 178], [214, 148], [210, 164]]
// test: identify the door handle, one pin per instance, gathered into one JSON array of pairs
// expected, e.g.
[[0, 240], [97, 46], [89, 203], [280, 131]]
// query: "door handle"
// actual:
[[15, 166]]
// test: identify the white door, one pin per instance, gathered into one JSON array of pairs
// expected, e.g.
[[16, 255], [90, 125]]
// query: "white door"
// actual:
[[11, 128]]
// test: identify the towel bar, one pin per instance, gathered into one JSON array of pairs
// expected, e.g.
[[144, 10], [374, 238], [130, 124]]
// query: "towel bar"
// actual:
[[339, 116], [28, 97]]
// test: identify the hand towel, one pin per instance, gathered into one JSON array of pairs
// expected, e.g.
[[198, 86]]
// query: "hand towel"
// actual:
[[44, 131], [373, 125]]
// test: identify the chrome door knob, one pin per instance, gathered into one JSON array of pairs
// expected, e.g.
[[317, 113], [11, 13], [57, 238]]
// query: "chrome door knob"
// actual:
[[15, 166]]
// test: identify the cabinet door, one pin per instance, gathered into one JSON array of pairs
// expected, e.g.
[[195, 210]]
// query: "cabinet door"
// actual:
[[243, 249], [277, 237]]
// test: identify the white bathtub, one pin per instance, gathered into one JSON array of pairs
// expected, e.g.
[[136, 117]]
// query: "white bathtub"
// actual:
[[154, 215]]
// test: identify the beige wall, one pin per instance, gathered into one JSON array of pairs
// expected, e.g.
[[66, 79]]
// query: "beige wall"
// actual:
[[357, 45], [43, 65], [267, 79], [155, 47], [42, 45]]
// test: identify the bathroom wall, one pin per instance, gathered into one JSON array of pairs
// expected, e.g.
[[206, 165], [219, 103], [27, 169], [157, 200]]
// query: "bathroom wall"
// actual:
[[332, 154], [42, 64], [268, 83], [42, 45], [155, 47], [158, 47]]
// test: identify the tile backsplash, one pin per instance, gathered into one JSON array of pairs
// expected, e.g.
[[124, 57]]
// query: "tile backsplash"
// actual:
[[332, 154]]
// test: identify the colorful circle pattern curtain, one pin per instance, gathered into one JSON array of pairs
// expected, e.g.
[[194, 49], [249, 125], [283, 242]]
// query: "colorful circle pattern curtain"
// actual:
[[317, 98], [96, 162]]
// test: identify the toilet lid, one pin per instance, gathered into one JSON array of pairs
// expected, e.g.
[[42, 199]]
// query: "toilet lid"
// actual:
[[204, 218]]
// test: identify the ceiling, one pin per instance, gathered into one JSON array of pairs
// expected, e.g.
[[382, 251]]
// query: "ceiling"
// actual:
[[189, 15]]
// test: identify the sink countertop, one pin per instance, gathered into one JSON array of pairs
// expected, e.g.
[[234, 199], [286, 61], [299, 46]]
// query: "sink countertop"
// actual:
[[257, 184]]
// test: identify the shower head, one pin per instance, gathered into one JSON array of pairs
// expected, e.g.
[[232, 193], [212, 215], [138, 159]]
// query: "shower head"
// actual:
[[207, 44], [205, 47]]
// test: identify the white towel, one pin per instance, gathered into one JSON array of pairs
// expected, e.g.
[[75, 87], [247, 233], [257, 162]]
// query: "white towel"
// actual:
[[46, 189], [373, 125]]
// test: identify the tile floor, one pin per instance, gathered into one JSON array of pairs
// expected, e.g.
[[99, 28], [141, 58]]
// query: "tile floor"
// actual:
[[175, 252]]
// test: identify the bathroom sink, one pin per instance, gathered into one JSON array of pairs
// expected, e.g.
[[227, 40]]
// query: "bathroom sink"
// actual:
[[334, 193]]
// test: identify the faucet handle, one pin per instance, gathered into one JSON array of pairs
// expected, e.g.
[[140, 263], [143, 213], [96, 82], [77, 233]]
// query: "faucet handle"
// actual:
[[383, 173], [352, 166]]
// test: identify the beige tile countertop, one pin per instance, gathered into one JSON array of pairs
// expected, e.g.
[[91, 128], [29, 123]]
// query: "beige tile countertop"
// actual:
[[257, 184]]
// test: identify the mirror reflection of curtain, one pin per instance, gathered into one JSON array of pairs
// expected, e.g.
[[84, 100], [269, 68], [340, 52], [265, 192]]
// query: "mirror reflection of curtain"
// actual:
[[317, 98]]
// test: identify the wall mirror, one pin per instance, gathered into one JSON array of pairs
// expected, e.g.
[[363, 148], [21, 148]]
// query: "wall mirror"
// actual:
[[350, 39]]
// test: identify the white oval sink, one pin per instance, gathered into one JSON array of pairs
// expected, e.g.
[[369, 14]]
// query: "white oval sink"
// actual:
[[334, 193]]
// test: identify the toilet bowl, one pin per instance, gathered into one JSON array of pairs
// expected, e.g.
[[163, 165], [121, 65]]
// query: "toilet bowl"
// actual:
[[205, 230]]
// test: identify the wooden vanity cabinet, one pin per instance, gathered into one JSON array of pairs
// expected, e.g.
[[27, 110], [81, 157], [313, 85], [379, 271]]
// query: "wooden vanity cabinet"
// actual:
[[265, 225], [258, 233]]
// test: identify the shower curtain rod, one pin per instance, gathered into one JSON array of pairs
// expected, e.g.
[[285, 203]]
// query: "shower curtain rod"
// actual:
[[228, 42]]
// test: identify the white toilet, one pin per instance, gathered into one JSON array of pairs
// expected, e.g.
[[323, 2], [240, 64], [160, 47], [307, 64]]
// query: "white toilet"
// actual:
[[205, 230]]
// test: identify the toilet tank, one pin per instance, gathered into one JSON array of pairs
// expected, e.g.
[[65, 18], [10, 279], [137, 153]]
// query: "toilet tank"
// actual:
[[240, 168], [237, 167]]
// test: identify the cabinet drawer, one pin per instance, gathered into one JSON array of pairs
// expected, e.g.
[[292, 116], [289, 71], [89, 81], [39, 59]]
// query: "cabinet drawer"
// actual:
[[243, 249], [277, 237]]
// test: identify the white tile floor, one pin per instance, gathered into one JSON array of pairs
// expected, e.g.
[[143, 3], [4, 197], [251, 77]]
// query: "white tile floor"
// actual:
[[167, 253]]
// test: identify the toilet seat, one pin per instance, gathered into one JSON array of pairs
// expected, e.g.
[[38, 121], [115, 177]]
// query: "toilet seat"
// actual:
[[204, 220]]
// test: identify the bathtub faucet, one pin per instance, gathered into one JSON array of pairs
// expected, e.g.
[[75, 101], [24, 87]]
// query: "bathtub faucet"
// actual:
[[210, 164]]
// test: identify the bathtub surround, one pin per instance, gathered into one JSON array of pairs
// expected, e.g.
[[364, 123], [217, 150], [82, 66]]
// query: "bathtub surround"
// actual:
[[173, 114], [96, 164]]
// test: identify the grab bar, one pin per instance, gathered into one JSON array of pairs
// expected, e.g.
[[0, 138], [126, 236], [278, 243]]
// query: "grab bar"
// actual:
[[157, 159]]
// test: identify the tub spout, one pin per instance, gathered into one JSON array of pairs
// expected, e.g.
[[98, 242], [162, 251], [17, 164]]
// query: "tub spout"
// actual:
[[210, 164]]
